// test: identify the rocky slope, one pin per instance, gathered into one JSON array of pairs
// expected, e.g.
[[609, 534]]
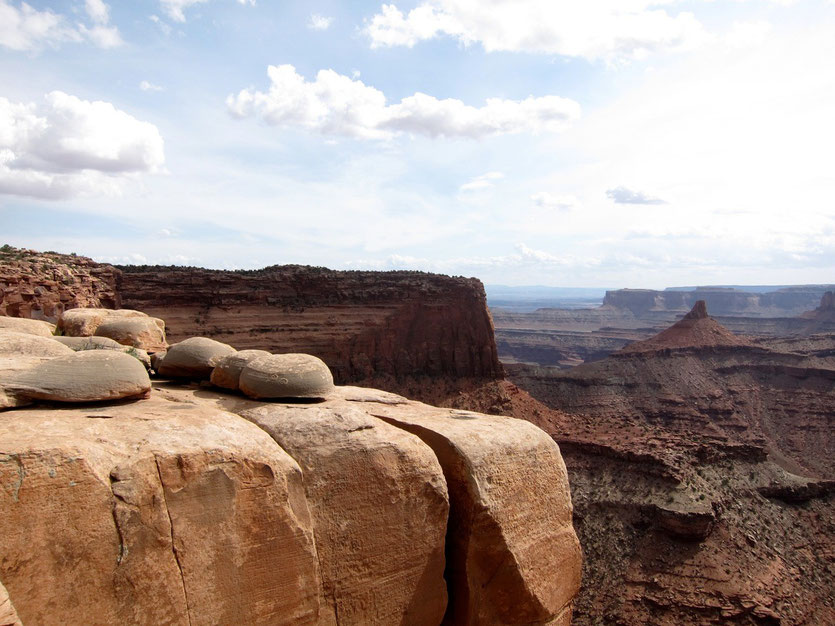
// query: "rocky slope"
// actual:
[[701, 466], [184, 504], [41, 285]]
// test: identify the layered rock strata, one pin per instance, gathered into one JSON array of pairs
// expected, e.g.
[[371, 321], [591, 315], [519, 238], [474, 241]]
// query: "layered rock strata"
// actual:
[[364, 325]]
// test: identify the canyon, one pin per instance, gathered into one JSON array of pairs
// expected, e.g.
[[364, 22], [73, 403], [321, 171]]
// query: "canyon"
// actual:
[[698, 449]]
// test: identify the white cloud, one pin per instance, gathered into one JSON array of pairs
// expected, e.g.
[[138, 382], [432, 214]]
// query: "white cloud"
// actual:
[[319, 22], [26, 28], [595, 29], [624, 195], [479, 183], [70, 146], [745, 34], [175, 9], [148, 86], [549, 201], [98, 11], [334, 104]]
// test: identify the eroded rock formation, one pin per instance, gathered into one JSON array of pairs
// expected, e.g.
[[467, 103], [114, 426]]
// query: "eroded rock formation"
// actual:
[[701, 467]]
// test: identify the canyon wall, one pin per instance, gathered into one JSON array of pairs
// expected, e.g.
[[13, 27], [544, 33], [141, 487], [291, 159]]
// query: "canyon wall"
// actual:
[[787, 302], [364, 325]]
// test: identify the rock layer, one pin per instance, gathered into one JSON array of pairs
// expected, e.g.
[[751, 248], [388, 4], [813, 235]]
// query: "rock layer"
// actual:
[[364, 325]]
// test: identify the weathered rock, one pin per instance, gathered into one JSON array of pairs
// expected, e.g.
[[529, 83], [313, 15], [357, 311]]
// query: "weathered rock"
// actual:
[[8, 615], [286, 376], [79, 344], [23, 344], [28, 326], [153, 512], [227, 372], [513, 555], [83, 377], [195, 357], [379, 505], [147, 333], [84, 322], [40, 285]]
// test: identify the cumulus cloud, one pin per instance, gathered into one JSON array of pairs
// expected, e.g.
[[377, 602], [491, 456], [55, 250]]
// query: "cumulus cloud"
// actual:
[[334, 104], [479, 183], [319, 22], [550, 201], [26, 28], [746, 34], [598, 29], [624, 195], [68, 146]]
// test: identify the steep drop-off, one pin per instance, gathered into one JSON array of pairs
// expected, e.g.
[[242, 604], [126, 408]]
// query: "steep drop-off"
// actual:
[[701, 467]]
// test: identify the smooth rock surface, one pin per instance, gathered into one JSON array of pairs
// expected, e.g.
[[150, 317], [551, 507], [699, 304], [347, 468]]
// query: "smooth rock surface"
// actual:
[[379, 503], [514, 557], [14, 343], [79, 344], [28, 326], [227, 372], [83, 377], [153, 512], [147, 333], [195, 357], [286, 376], [83, 322]]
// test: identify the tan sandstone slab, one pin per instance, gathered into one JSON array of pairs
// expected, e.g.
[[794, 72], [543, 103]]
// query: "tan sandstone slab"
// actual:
[[152, 512], [513, 555], [380, 506], [28, 326]]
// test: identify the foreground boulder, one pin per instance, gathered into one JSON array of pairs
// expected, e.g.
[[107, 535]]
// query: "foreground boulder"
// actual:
[[153, 512], [286, 376], [379, 504], [14, 343], [146, 333], [83, 377], [79, 344], [195, 357], [227, 372], [513, 555], [30, 327]]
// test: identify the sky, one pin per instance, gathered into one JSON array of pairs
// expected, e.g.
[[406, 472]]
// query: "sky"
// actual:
[[604, 143]]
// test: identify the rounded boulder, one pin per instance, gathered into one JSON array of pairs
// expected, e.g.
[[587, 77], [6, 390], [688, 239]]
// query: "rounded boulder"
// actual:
[[138, 332], [227, 372], [28, 326], [83, 322], [23, 344], [88, 376], [195, 357], [79, 344], [286, 376]]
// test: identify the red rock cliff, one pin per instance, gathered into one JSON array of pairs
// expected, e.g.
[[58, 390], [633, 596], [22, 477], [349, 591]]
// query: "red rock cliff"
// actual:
[[364, 325]]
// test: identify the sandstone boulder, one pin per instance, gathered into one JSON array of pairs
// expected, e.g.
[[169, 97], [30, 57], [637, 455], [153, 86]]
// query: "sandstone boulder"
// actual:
[[195, 357], [513, 555], [28, 326], [227, 372], [153, 512], [8, 615], [83, 377], [286, 376], [79, 344], [83, 322], [147, 333], [379, 504], [23, 344]]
